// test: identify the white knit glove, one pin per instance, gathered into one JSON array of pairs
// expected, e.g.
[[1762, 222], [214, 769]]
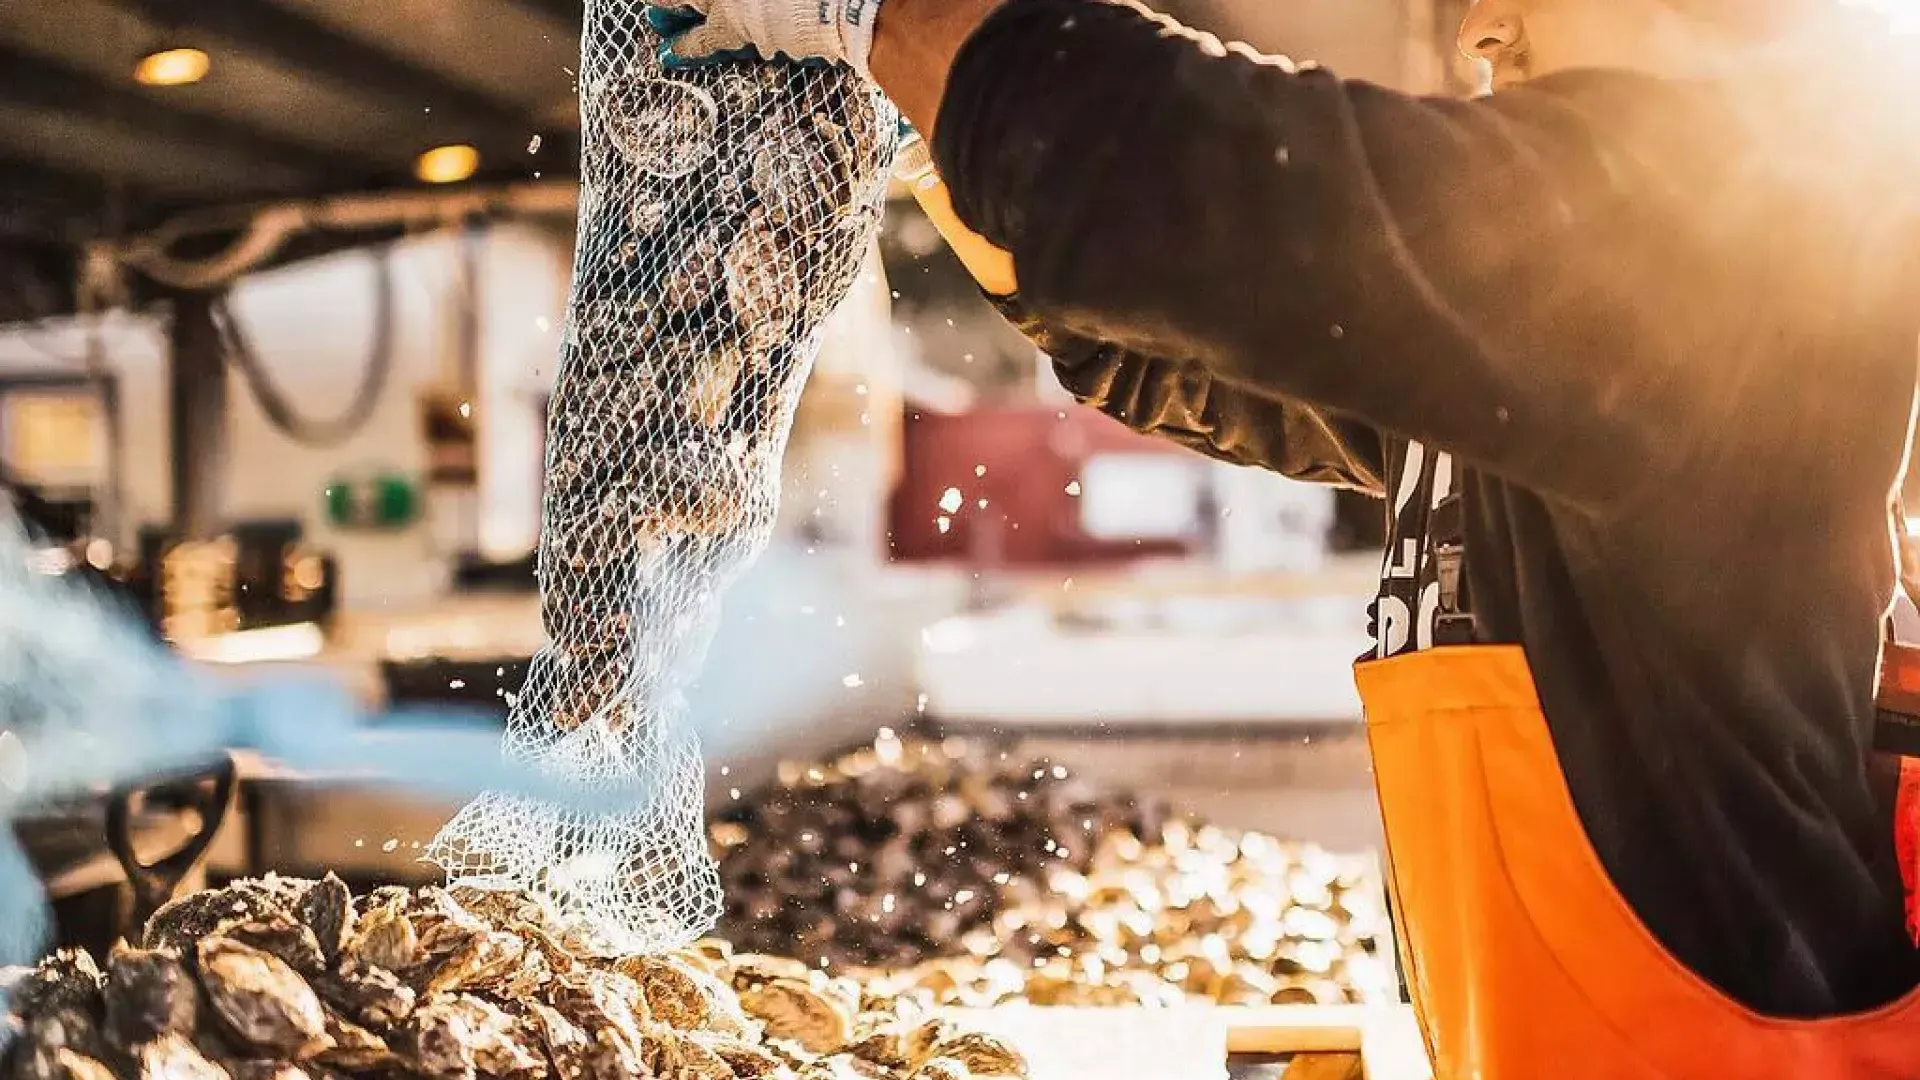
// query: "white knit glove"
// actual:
[[699, 32]]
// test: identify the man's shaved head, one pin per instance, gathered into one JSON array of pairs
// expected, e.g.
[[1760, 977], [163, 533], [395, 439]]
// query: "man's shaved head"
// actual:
[[1524, 38]]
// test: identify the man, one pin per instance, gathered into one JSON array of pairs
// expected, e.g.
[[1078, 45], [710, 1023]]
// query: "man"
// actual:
[[1629, 348]]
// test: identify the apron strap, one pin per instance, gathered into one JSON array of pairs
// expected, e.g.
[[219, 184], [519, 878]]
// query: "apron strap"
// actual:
[[1447, 532], [1897, 711], [1897, 723]]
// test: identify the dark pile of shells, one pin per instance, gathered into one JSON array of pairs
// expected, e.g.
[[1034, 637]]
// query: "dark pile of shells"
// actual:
[[282, 979], [895, 853], [986, 878]]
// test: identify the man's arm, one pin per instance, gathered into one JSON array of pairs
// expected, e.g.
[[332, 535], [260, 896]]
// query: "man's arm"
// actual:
[[1180, 402], [915, 44], [1366, 251]]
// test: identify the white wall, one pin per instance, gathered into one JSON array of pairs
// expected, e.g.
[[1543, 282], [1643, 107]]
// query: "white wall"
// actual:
[[135, 350], [311, 326]]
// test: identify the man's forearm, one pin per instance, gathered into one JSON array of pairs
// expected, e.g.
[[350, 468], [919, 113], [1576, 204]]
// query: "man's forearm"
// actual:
[[915, 43]]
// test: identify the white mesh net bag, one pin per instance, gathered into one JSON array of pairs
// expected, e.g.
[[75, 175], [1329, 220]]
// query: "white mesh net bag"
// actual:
[[724, 213]]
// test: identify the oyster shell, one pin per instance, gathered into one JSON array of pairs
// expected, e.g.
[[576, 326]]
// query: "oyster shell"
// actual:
[[604, 1017], [264, 1002], [792, 1009], [149, 993], [436, 1042], [673, 994], [748, 1062], [983, 1055], [497, 1048], [354, 1047], [369, 995], [385, 938], [671, 1053], [172, 1057], [282, 935], [69, 1065], [327, 910], [68, 980]]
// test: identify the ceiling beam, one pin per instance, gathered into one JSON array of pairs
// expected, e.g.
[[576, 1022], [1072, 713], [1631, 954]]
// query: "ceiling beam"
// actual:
[[39, 83], [58, 204], [320, 52]]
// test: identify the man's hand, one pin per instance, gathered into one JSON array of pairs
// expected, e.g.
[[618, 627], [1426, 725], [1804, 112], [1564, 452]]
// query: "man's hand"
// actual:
[[910, 54], [700, 32]]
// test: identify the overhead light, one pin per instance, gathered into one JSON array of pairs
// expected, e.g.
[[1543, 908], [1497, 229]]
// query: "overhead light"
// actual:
[[172, 67], [447, 164]]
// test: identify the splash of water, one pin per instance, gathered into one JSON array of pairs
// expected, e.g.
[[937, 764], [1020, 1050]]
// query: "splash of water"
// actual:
[[94, 703]]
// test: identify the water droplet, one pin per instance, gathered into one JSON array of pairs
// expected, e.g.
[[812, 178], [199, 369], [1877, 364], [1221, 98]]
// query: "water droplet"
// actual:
[[13, 761]]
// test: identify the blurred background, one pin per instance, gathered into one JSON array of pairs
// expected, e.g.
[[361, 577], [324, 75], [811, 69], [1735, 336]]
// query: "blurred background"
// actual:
[[282, 284]]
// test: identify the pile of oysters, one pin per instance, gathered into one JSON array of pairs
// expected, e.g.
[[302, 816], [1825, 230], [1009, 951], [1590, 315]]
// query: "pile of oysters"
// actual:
[[986, 877], [285, 979]]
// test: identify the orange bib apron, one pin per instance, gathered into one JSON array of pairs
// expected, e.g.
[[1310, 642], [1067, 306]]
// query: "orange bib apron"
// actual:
[[1523, 961]]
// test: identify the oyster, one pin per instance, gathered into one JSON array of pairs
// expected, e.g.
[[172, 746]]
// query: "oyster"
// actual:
[[569, 1009], [370, 995], [792, 1009], [748, 1062], [385, 938], [282, 935], [264, 1002], [68, 980], [354, 1047], [671, 1053], [149, 993], [983, 1055], [327, 910], [69, 1065], [673, 994], [436, 1042], [172, 1057]]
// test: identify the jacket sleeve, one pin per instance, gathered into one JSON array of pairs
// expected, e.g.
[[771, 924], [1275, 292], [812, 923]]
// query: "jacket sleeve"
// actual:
[[1322, 241], [1181, 402]]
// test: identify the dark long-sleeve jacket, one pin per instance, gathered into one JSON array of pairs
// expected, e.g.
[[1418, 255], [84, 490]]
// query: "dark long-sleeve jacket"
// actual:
[[1660, 341]]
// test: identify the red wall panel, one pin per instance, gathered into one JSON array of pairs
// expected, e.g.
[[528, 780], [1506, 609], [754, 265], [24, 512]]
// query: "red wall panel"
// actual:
[[1031, 456]]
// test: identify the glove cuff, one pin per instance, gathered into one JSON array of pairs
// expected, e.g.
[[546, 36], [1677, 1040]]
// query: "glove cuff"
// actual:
[[856, 20]]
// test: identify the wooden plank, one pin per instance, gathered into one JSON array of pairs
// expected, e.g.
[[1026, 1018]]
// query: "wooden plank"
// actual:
[[1295, 1029], [1386, 1039], [1341, 1042], [1109, 1043], [1326, 1067], [1394, 1048]]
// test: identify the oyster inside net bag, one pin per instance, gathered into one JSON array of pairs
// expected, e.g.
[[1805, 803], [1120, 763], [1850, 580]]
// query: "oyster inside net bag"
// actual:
[[724, 214]]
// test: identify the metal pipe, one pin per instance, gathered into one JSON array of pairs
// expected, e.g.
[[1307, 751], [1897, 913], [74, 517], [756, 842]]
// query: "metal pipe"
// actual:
[[266, 229], [197, 380]]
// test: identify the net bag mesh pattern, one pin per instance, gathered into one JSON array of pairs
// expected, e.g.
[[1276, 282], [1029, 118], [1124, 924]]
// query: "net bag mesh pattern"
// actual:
[[724, 213]]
